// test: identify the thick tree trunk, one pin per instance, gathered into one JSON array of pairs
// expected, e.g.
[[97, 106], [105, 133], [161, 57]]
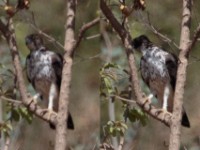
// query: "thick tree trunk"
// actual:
[[61, 127], [181, 77]]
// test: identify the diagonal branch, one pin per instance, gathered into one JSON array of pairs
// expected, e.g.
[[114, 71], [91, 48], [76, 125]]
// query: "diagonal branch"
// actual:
[[195, 38], [84, 28], [126, 39]]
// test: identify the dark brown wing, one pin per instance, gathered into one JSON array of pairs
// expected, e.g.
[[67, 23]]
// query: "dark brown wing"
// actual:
[[144, 66], [172, 65], [57, 63], [28, 69]]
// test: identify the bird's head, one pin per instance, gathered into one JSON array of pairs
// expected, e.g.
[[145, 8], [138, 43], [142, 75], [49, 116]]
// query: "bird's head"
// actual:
[[34, 42], [140, 42]]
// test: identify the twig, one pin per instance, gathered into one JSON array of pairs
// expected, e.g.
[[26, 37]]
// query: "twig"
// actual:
[[84, 28], [6, 147], [87, 59], [124, 99], [92, 36], [195, 38], [11, 100], [121, 143]]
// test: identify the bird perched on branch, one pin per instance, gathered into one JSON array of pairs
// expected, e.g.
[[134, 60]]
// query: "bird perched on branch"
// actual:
[[44, 72], [158, 70]]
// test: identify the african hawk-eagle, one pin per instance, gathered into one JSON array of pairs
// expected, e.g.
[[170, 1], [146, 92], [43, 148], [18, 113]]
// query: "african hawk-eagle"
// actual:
[[44, 72], [158, 70]]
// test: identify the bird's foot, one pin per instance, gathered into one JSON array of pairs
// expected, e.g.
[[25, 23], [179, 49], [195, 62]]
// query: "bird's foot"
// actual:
[[35, 98], [162, 111], [32, 100], [49, 112], [147, 100]]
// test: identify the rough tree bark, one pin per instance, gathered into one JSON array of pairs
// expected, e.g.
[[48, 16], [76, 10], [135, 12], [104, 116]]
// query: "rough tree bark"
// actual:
[[181, 76], [61, 127]]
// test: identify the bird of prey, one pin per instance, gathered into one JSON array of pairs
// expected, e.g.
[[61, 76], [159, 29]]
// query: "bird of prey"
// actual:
[[44, 70], [158, 70]]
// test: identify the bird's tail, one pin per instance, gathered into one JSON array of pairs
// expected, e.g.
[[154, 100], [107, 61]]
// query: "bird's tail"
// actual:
[[185, 121], [70, 123]]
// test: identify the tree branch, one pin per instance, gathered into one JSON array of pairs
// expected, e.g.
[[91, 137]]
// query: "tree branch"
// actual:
[[11, 100], [195, 38], [130, 101], [181, 76], [84, 28], [61, 128], [121, 143], [126, 39]]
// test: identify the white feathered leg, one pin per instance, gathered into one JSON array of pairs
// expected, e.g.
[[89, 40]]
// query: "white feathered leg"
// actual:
[[52, 94], [166, 97]]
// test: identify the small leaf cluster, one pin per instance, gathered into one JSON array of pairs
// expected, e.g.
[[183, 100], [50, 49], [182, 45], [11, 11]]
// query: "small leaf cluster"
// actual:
[[136, 114], [17, 113], [111, 76], [108, 79], [13, 111], [6, 128], [115, 128]]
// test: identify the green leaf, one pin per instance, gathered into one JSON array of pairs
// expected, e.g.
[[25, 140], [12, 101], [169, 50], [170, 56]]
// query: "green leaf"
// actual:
[[111, 65], [136, 114], [114, 133], [15, 115], [111, 129], [27, 115], [9, 126]]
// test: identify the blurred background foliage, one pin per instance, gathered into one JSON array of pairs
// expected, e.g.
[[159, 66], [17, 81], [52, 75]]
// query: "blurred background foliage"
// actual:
[[166, 17], [49, 17]]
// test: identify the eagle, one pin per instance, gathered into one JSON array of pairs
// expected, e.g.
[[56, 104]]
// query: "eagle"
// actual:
[[158, 70], [44, 72]]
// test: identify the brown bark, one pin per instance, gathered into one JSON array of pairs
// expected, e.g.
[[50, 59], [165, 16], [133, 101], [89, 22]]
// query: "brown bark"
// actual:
[[126, 39], [181, 77], [61, 128]]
